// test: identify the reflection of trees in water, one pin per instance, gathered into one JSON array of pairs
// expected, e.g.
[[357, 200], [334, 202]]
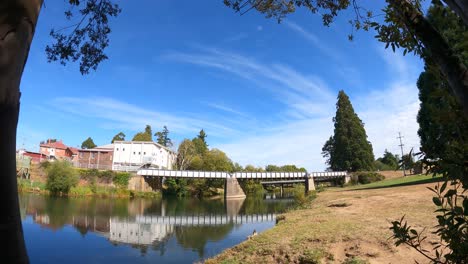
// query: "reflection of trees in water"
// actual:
[[196, 237], [183, 206], [256, 204]]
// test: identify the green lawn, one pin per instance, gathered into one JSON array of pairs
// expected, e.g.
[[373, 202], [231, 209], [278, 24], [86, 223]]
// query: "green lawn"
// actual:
[[403, 181]]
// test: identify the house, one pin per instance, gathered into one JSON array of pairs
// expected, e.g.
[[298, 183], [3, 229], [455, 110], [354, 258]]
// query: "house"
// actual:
[[55, 150], [131, 155], [35, 156], [96, 158]]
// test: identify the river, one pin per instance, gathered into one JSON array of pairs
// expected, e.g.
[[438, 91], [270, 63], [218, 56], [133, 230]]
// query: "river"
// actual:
[[165, 230]]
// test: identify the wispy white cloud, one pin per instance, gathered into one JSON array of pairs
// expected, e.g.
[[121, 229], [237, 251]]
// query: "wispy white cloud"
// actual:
[[323, 46], [117, 114], [307, 94], [227, 109]]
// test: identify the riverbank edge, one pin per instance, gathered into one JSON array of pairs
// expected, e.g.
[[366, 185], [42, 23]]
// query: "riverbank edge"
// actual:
[[259, 249], [27, 186]]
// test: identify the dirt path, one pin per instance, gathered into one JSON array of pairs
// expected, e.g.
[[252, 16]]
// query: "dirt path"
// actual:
[[341, 224]]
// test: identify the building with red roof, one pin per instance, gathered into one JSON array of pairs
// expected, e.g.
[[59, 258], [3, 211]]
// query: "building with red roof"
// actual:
[[54, 149]]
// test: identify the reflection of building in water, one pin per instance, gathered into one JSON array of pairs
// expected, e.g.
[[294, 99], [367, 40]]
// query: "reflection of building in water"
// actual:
[[128, 232]]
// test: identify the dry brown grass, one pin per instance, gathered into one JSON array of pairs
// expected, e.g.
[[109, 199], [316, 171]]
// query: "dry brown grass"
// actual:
[[341, 223]]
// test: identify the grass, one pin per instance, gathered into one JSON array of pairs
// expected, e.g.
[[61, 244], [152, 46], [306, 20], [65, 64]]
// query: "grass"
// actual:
[[344, 225], [398, 182]]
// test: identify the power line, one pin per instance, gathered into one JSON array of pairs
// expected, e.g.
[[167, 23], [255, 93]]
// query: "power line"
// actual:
[[401, 147]]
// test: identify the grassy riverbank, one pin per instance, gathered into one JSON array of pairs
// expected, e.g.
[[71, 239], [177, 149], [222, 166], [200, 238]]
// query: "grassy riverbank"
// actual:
[[85, 189], [344, 225]]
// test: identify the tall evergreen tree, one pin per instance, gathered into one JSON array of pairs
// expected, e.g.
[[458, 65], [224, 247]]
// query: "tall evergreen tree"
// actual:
[[88, 144], [442, 123], [348, 149], [163, 137]]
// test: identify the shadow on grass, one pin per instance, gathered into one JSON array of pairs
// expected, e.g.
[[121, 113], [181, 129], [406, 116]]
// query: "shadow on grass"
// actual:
[[422, 181]]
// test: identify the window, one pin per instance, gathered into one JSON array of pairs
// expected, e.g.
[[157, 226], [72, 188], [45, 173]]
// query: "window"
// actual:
[[117, 149], [81, 154], [93, 155], [134, 152], [139, 153], [123, 149], [144, 153]]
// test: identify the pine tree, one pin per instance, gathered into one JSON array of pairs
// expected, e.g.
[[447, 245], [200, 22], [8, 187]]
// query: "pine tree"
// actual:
[[163, 137], [348, 149]]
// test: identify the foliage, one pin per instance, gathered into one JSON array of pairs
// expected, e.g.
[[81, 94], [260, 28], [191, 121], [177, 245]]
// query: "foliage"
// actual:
[[252, 168], [390, 160], [348, 149], [366, 177], [312, 256], [379, 166], [61, 177], [355, 260], [185, 154], [121, 179], [88, 144], [88, 39], [216, 160], [284, 168], [452, 227], [119, 137], [163, 137], [251, 186], [407, 161], [45, 164], [176, 186], [147, 135]]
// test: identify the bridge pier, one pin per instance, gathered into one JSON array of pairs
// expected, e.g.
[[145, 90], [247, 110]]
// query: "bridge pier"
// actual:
[[232, 189], [309, 184]]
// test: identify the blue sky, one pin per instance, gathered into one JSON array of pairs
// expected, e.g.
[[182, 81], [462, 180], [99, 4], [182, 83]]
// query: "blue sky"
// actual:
[[264, 92]]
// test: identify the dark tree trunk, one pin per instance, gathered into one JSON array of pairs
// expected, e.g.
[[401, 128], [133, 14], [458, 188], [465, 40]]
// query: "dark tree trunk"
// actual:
[[437, 50], [460, 7], [17, 23]]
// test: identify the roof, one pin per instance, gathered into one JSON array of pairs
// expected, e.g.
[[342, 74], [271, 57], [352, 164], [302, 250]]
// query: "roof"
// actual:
[[57, 145], [108, 146], [73, 150], [146, 142]]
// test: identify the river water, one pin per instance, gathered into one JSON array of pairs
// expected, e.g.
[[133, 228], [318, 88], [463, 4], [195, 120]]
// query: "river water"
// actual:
[[165, 230]]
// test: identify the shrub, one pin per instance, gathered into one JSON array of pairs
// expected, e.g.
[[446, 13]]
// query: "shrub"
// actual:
[[108, 176], [121, 179], [366, 177], [61, 177], [251, 186], [45, 164]]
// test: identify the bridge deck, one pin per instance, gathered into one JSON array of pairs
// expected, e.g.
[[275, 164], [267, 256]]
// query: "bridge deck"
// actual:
[[238, 175]]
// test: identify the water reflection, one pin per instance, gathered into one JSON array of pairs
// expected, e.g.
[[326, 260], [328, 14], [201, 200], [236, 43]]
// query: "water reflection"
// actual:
[[198, 226]]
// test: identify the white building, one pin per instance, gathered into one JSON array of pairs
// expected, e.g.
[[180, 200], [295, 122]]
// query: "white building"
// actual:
[[131, 155]]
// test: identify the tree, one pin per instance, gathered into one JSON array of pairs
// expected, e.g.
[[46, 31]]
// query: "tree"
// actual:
[[119, 137], [200, 143], [163, 137], [404, 27], [217, 160], [202, 135], [61, 177], [88, 144], [185, 154], [147, 135], [348, 149], [389, 159]]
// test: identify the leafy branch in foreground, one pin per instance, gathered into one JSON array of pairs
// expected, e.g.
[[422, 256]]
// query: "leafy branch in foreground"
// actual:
[[452, 227]]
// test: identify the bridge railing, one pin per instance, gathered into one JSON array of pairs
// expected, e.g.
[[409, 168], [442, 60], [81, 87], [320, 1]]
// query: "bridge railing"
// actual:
[[238, 175]]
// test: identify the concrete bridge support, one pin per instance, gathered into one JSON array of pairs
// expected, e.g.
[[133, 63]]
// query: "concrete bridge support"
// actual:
[[232, 189], [309, 184]]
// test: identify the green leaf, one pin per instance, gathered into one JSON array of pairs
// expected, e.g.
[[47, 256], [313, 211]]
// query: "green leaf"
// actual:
[[442, 189], [437, 201]]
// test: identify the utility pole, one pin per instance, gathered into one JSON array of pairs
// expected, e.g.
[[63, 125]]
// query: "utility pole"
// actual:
[[401, 146]]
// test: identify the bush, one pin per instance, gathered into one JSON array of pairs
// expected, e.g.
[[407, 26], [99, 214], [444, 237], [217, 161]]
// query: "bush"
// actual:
[[121, 179], [366, 177], [251, 186], [61, 177], [45, 164]]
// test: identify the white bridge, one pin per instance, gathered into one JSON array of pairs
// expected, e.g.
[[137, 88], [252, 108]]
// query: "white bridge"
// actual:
[[232, 187], [240, 175], [200, 220]]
